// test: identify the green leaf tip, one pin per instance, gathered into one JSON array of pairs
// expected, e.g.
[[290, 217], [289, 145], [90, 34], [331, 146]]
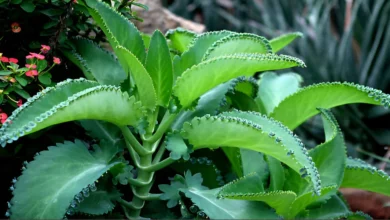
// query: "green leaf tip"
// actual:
[[238, 43], [301, 105], [113, 23], [38, 195], [282, 41]]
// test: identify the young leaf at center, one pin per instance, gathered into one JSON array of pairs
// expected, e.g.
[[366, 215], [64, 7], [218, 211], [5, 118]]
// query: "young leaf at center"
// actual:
[[159, 66]]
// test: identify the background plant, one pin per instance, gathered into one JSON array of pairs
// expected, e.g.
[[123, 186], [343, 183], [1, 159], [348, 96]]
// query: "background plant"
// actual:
[[25, 26], [357, 37], [185, 105]]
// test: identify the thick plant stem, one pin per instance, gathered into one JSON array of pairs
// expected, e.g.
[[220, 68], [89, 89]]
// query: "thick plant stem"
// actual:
[[143, 191], [165, 124], [134, 142]]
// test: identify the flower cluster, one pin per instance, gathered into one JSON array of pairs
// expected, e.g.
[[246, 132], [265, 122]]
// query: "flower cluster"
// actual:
[[14, 77]]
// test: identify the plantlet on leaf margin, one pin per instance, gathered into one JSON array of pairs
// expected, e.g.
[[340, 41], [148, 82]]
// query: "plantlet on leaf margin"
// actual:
[[136, 115]]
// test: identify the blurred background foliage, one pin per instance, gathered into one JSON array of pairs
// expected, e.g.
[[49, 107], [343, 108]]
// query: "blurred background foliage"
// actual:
[[344, 40]]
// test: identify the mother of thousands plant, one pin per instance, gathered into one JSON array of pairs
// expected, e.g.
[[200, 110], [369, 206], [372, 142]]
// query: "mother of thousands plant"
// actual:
[[179, 93]]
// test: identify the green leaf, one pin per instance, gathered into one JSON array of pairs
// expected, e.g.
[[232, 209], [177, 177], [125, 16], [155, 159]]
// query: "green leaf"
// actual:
[[214, 101], [41, 65], [329, 158], [238, 43], [199, 79], [171, 192], [215, 208], [100, 63], [50, 24], [79, 62], [118, 29], [257, 133], [52, 12], [180, 38], [159, 66], [146, 38], [102, 130], [298, 107], [68, 101], [5, 72], [22, 93], [246, 188], [123, 176], [143, 81], [277, 173], [21, 80], [196, 51], [99, 202], [274, 88], [334, 208], [27, 6], [45, 78], [47, 187], [178, 148], [16, 1], [361, 175], [252, 161], [282, 41]]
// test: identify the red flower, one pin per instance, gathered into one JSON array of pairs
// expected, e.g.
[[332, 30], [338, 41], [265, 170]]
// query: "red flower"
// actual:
[[29, 57], [56, 60], [3, 117], [31, 66], [13, 60], [4, 59], [20, 102], [32, 73], [15, 27], [45, 48], [36, 55]]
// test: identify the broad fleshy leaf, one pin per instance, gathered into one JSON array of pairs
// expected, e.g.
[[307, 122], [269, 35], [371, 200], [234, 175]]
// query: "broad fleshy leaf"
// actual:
[[196, 51], [361, 175], [329, 158], [99, 202], [246, 188], [215, 208], [199, 79], [282, 41], [300, 106], [143, 81], [68, 101], [180, 38], [159, 66], [49, 184], [118, 29], [238, 43], [253, 132], [274, 88], [100, 63]]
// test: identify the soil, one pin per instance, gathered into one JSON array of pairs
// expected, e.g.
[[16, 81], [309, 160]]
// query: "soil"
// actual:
[[374, 204]]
